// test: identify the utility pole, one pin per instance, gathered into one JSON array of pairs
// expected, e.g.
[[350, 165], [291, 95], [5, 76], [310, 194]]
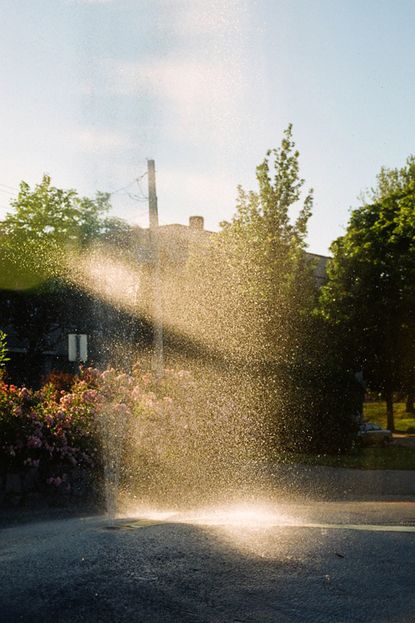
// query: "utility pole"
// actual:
[[157, 362]]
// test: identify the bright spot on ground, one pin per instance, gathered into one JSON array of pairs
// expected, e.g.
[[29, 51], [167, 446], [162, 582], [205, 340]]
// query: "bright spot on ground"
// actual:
[[243, 516]]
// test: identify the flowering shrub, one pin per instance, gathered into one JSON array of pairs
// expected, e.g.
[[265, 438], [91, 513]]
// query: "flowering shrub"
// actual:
[[60, 380], [55, 430], [147, 427], [151, 438], [50, 429]]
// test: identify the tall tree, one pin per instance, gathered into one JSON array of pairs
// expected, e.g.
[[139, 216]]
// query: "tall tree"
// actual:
[[248, 298], [253, 281], [265, 244], [46, 225], [370, 293]]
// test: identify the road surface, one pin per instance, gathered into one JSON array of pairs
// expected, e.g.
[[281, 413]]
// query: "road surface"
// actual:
[[313, 562]]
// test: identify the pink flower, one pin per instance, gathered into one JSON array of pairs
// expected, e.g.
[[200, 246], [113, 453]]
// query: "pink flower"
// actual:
[[136, 393], [18, 412], [108, 375], [121, 409], [123, 379], [148, 400], [66, 401], [90, 395]]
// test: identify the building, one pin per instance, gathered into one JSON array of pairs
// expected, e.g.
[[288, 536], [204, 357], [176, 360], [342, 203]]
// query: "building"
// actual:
[[38, 326]]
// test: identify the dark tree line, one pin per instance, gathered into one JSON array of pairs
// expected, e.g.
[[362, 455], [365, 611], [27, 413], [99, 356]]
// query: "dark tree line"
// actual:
[[369, 298]]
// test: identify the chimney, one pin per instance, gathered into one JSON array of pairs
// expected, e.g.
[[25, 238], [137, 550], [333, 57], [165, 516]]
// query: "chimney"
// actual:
[[196, 222]]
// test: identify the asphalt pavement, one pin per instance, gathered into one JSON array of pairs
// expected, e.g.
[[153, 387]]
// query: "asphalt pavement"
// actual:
[[343, 562]]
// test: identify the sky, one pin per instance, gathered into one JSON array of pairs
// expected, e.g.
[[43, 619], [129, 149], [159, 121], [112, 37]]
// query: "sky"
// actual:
[[92, 88]]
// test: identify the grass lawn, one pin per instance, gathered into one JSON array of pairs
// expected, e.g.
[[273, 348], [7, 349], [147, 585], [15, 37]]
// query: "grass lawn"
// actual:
[[393, 457], [376, 412], [372, 457]]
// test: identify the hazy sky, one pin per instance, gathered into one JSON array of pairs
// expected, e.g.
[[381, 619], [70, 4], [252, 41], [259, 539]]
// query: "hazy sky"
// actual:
[[91, 88]]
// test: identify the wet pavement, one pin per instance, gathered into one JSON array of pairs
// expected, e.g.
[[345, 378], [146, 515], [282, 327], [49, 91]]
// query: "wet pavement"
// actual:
[[258, 563]]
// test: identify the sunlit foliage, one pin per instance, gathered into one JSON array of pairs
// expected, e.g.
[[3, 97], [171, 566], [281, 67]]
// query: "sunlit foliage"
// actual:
[[251, 285], [248, 297], [45, 224], [370, 293]]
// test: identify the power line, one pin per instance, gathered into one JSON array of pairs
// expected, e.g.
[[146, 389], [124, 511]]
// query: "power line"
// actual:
[[137, 198], [138, 180], [134, 181], [140, 198]]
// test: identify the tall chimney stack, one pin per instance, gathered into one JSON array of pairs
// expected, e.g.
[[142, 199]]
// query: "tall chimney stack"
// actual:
[[196, 222]]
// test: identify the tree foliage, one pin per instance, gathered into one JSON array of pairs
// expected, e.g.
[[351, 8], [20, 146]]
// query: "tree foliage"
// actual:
[[370, 293], [44, 225], [247, 298], [265, 247], [252, 283]]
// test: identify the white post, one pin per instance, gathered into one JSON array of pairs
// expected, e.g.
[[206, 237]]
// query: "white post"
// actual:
[[157, 358]]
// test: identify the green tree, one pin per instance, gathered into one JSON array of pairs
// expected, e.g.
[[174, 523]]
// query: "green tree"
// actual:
[[45, 227], [252, 283], [248, 296], [370, 293], [264, 247], [45, 224]]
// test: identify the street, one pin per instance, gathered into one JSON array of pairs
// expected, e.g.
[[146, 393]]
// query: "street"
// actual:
[[321, 562]]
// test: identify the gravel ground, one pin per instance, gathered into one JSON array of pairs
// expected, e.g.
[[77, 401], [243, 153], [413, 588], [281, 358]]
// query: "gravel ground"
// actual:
[[215, 567]]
